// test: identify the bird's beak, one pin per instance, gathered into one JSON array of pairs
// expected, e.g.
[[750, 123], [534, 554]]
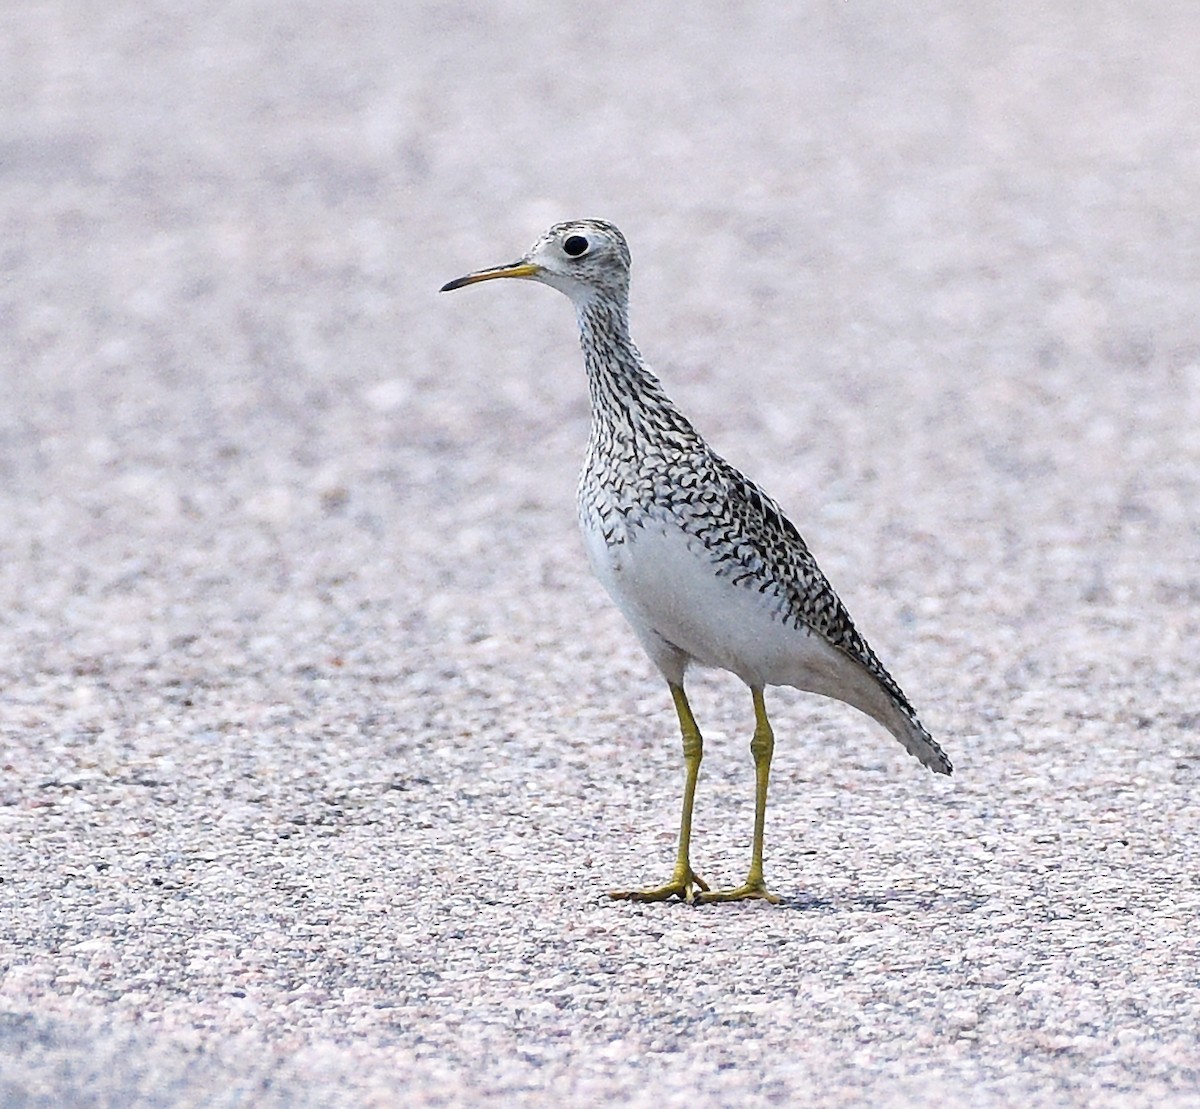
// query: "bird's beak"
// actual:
[[513, 269]]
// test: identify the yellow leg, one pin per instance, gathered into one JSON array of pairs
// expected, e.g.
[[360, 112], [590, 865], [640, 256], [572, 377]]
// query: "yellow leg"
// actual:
[[684, 882], [762, 747]]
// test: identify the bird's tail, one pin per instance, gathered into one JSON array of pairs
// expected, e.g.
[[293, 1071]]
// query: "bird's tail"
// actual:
[[917, 741], [878, 695]]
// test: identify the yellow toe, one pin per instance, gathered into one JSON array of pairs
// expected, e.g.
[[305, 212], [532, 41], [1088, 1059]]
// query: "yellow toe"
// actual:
[[687, 886], [749, 891]]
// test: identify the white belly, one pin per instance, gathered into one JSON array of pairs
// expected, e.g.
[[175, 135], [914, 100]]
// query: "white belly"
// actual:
[[683, 611]]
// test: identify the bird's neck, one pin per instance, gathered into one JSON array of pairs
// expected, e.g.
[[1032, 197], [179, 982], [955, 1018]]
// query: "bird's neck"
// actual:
[[623, 391]]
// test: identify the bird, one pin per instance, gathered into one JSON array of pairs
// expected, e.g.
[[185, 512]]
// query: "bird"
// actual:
[[703, 564]]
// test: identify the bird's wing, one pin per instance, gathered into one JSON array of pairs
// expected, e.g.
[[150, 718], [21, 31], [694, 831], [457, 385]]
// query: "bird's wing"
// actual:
[[788, 566]]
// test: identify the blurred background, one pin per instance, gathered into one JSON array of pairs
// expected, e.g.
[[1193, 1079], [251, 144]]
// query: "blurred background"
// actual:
[[281, 528], [931, 265]]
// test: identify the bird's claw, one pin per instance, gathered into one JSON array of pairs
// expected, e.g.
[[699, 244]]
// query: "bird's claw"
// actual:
[[748, 891], [687, 885]]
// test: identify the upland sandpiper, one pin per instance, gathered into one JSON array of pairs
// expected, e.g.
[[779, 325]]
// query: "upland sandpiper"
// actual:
[[704, 565]]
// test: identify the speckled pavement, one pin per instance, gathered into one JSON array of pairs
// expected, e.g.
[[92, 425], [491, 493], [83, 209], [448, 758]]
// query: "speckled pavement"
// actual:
[[320, 746]]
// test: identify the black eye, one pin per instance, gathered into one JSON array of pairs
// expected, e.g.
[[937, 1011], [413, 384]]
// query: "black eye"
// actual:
[[575, 245]]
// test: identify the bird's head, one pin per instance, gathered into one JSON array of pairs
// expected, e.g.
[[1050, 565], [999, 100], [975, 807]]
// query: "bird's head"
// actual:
[[584, 259]]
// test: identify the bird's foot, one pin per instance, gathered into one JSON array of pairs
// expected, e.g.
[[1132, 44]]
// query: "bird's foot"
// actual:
[[751, 890], [685, 884]]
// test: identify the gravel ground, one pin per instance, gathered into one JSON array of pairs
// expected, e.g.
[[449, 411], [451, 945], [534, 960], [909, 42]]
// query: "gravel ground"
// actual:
[[320, 745]]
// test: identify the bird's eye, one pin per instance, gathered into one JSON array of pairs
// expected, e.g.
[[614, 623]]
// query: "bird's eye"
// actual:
[[575, 245]]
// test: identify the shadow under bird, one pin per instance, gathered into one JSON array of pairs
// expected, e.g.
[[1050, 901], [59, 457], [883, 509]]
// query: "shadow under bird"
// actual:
[[704, 565]]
